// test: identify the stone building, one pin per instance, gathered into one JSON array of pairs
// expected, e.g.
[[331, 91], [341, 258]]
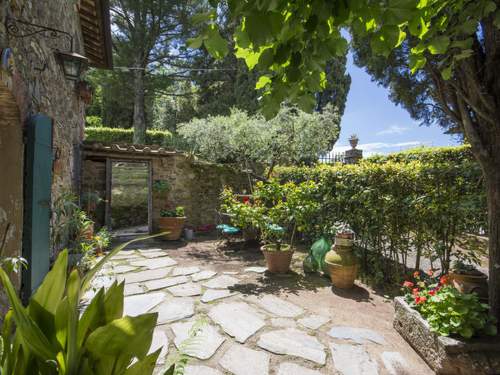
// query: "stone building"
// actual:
[[45, 44]]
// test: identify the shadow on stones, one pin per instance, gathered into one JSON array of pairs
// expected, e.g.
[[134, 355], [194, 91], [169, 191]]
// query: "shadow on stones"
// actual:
[[356, 293]]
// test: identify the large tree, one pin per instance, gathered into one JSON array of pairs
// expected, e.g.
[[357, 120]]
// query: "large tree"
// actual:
[[148, 35], [457, 41]]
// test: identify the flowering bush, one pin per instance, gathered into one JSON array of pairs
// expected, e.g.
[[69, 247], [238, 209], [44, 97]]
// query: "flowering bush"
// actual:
[[446, 309]]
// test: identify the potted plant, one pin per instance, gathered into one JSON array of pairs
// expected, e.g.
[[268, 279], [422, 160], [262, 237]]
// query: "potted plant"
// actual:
[[243, 214], [172, 221], [353, 140], [278, 254], [467, 278], [101, 241], [85, 225], [340, 261]]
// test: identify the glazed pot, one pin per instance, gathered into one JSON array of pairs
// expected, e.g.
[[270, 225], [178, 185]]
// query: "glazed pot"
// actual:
[[277, 261], [172, 225], [469, 283], [341, 264]]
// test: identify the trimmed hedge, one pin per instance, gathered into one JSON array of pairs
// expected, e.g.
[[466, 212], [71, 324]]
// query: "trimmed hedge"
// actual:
[[120, 135], [427, 154], [430, 206]]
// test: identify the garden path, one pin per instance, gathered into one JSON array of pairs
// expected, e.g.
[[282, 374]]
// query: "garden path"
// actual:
[[255, 323]]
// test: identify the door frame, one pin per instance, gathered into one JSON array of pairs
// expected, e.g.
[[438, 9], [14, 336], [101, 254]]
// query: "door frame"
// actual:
[[109, 188]]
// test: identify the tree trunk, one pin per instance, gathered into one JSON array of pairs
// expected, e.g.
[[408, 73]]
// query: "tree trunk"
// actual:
[[492, 178], [139, 108]]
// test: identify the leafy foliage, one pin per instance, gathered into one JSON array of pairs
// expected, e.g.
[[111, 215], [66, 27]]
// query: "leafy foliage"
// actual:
[[51, 337], [293, 137], [446, 309], [119, 135], [430, 206]]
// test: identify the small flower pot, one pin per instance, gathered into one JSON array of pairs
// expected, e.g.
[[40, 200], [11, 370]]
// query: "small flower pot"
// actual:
[[468, 283], [277, 261], [172, 225]]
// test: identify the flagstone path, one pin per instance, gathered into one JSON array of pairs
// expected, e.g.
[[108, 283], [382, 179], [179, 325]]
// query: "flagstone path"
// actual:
[[254, 323]]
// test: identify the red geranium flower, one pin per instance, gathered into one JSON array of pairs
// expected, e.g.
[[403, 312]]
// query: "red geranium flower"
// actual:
[[416, 274], [443, 280], [408, 284], [432, 292], [419, 300]]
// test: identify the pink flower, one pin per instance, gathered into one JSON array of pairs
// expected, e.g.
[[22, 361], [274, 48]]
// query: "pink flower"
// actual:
[[408, 284], [416, 274]]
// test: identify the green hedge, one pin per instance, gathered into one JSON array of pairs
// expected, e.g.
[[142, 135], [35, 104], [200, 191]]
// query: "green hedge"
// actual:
[[119, 135], [430, 206], [427, 154]]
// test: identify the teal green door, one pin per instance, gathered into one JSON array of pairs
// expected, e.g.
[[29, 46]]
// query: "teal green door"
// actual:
[[37, 193]]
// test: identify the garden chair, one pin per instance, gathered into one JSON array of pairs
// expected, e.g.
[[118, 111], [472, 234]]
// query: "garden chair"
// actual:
[[226, 231]]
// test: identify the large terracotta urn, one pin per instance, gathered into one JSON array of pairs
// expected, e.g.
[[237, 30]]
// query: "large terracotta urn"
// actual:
[[341, 263]]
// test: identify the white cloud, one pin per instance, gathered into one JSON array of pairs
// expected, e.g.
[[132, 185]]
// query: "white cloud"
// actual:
[[394, 129], [379, 147]]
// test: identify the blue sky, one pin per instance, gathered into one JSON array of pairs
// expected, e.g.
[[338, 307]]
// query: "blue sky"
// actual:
[[381, 126]]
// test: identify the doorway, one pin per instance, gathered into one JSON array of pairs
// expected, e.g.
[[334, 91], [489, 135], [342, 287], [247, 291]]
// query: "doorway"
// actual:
[[130, 203]]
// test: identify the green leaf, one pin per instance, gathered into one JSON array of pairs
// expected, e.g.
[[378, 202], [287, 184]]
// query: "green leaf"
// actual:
[[51, 291], [113, 302], [466, 332], [195, 43], [92, 317], [446, 72], [128, 335], [417, 62], [202, 18], [262, 82], [215, 44], [439, 45], [145, 366]]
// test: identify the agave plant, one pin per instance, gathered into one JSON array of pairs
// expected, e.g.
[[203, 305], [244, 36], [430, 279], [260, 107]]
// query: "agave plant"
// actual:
[[50, 336]]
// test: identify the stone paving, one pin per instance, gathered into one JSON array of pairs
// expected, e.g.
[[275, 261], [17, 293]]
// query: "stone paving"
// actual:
[[242, 334]]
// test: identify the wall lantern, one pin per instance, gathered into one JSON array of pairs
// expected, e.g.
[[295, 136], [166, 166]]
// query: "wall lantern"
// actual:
[[72, 63]]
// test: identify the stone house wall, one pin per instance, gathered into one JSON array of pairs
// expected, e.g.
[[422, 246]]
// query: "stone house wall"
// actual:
[[31, 82], [194, 185]]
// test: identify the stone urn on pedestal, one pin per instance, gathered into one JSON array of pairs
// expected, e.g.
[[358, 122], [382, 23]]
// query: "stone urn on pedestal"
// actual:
[[340, 261]]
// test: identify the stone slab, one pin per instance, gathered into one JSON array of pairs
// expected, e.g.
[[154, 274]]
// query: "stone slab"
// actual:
[[221, 282], [160, 340], [358, 335], [122, 269], [141, 303], [277, 306], [154, 263], [230, 273], [174, 309], [313, 321], [206, 343], [394, 363], [215, 294], [184, 271], [243, 361], [352, 360], [293, 342], [165, 283], [131, 289], [256, 269], [283, 323], [288, 368], [237, 319], [135, 277], [185, 290], [153, 253], [203, 275], [201, 370]]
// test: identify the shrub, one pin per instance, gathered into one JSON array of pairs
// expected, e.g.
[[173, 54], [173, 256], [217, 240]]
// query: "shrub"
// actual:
[[93, 122], [427, 155], [429, 206], [119, 135]]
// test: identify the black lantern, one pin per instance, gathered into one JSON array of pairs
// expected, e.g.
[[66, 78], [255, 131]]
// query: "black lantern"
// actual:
[[72, 63]]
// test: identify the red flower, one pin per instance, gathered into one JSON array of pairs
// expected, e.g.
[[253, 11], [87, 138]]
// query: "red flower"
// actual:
[[430, 272], [432, 292], [443, 280], [415, 291], [408, 284], [420, 300], [416, 274]]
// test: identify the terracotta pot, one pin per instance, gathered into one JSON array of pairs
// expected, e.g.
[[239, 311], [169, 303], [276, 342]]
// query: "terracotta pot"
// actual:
[[173, 225], [466, 283], [277, 261], [88, 233], [341, 265]]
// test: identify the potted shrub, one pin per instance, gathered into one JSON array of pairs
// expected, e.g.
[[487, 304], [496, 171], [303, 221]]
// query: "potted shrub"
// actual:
[[277, 253], [243, 214], [172, 221], [101, 241], [340, 262], [467, 278]]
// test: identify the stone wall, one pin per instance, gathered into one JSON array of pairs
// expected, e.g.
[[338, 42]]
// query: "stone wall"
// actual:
[[34, 82], [194, 185]]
